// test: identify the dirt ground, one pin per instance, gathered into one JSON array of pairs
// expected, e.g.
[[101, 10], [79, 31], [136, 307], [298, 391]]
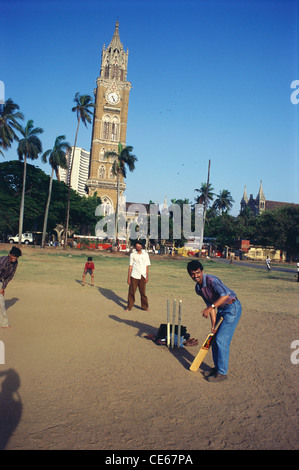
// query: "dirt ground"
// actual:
[[80, 374]]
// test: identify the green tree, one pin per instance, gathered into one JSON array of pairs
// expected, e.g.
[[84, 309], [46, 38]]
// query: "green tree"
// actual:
[[223, 202], [84, 114], [246, 225], [87, 217], [57, 159], [200, 199], [223, 228], [280, 228], [123, 159], [30, 147], [9, 123]]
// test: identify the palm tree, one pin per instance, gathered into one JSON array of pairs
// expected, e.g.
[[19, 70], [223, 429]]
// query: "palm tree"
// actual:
[[9, 122], [224, 201], [205, 193], [123, 159], [57, 159], [84, 114], [29, 147]]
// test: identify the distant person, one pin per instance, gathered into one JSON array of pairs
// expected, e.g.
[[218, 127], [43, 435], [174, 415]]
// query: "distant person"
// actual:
[[138, 276], [8, 267], [268, 264], [88, 269], [218, 296]]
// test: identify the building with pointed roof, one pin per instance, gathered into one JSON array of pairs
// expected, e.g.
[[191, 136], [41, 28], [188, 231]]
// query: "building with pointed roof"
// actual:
[[260, 203], [110, 120]]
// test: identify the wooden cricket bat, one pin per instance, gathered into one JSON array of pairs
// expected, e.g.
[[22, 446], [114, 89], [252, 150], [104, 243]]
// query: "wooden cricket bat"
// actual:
[[204, 349]]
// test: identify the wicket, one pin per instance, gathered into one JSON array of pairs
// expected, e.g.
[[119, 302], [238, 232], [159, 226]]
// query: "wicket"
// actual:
[[170, 337]]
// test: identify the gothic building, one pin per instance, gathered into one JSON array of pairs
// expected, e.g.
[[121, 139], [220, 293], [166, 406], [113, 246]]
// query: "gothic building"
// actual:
[[110, 120], [260, 203]]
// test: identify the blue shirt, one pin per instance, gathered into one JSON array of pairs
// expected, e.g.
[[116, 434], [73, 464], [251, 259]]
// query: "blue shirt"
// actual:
[[212, 288]]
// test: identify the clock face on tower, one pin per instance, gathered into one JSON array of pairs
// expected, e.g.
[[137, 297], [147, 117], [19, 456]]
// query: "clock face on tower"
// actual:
[[113, 97]]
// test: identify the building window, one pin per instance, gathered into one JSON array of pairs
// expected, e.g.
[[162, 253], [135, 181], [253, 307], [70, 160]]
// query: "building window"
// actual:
[[106, 127], [115, 71], [114, 132], [101, 172], [106, 130], [111, 174], [115, 129]]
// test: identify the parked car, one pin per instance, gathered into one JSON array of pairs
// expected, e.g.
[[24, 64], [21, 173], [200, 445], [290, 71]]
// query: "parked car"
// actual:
[[26, 238]]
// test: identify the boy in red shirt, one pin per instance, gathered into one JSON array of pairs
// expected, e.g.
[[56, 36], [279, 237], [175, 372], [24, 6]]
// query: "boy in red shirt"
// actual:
[[88, 269]]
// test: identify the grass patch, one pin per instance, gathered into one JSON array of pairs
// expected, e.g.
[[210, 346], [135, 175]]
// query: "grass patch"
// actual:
[[276, 292]]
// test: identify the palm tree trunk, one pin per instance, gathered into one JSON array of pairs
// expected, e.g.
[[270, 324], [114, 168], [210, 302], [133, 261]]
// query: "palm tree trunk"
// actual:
[[69, 190], [117, 208], [205, 205], [47, 209], [22, 202]]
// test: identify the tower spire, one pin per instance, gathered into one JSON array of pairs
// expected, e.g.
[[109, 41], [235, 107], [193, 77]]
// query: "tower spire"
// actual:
[[115, 41], [261, 196], [245, 198], [260, 200]]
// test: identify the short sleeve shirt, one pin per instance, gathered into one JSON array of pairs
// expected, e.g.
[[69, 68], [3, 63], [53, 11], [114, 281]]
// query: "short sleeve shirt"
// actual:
[[89, 266]]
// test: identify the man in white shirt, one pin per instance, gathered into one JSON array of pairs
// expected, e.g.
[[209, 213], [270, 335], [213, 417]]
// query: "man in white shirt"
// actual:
[[138, 276]]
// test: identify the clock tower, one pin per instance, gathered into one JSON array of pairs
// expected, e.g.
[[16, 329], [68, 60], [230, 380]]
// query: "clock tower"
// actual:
[[110, 121]]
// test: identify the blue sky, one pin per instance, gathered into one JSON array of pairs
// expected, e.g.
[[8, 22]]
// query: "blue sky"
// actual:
[[211, 81]]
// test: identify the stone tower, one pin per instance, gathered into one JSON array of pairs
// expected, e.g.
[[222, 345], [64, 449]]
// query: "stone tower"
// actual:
[[110, 121], [258, 205], [260, 200], [244, 200]]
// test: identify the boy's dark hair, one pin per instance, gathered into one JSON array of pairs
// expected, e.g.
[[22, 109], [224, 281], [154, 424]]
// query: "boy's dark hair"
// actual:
[[15, 251], [89, 258], [139, 242], [194, 265]]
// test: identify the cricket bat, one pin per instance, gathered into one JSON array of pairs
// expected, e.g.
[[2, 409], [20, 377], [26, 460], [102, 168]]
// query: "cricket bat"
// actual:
[[205, 348]]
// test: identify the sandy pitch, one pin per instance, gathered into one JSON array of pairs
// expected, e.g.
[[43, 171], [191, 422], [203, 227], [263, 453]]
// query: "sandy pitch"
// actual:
[[79, 374]]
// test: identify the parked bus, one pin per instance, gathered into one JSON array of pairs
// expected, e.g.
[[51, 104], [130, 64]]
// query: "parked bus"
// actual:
[[93, 243]]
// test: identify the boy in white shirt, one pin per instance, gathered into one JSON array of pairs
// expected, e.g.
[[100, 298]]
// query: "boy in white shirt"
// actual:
[[138, 276]]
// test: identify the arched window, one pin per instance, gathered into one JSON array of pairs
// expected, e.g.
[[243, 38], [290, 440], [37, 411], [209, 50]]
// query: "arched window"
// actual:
[[115, 71], [106, 74], [115, 129], [106, 127], [107, 205], [112, 176]]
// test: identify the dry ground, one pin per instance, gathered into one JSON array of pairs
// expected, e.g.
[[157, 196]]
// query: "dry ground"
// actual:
[[79, 373]]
